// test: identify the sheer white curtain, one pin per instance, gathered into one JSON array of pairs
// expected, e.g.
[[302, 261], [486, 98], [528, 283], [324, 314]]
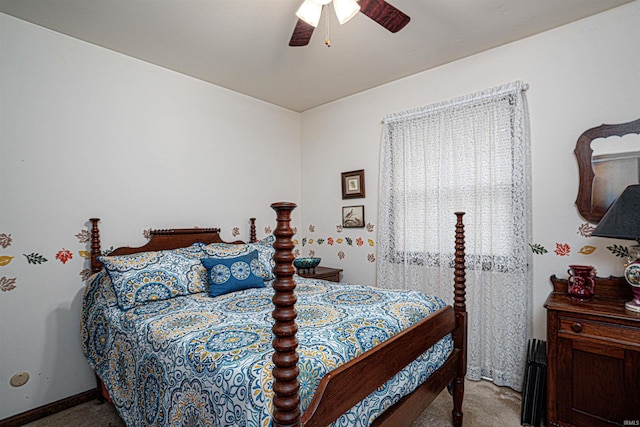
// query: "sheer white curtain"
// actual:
[[470, 154]]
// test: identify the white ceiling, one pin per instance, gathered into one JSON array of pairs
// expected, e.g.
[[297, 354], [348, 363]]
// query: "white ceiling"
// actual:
[[243, 44]]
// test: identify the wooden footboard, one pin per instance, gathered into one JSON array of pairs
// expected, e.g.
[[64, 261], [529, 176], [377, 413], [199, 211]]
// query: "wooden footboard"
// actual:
[[342, 388], [345, 386]]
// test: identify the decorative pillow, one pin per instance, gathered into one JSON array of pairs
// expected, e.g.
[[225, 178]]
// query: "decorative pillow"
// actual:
[[268, 240], [226, 250], [194, 251], [231, 274], [265, 255], [152, 276]]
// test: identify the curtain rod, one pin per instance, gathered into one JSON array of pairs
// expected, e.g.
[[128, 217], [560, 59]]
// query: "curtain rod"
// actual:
[[476, 96]]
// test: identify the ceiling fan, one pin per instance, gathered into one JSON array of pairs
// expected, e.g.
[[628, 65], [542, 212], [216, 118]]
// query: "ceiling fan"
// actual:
[[379, 10]]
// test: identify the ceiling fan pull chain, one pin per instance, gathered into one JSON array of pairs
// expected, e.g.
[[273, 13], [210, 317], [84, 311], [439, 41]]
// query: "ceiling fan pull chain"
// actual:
[[326, 20]]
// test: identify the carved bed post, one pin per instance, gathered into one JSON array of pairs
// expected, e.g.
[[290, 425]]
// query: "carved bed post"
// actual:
[[286, 400], [252, 232], [95, 267], [95, 245], [460, 333]]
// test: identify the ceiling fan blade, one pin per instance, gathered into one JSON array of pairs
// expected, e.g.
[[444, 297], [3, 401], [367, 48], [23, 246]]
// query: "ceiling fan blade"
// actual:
[[384, 14], [301, 34]]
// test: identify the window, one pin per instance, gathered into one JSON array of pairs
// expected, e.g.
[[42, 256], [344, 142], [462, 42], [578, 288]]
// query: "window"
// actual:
[[469, 155]]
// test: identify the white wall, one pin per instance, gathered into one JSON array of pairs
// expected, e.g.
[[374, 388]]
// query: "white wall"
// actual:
[[580, 76], [88, 132]]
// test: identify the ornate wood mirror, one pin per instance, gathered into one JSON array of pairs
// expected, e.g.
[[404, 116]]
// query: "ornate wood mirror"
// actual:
[[607, 166]]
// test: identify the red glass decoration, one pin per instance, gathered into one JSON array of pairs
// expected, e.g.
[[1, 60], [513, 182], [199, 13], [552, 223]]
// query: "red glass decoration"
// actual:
[[581, 282]]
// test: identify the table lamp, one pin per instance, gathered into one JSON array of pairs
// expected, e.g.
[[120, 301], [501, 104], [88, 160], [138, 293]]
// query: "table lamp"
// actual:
[[622, 221]]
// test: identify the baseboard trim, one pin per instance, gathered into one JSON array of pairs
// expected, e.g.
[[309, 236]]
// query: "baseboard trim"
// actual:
[[51, 408]]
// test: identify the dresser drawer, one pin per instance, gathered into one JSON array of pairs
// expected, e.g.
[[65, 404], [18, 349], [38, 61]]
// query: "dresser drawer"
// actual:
[[609, 332]]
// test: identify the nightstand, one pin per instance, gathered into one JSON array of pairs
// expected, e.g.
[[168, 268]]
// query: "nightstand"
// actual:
[[593, 366], [324, 273]]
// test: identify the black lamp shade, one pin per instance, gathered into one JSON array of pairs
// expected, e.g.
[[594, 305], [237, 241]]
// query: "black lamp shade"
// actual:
[[622, 220]]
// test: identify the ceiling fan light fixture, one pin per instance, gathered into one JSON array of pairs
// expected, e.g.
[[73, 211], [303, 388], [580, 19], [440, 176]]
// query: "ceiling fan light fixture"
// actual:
[[310, 12], [345, 9]]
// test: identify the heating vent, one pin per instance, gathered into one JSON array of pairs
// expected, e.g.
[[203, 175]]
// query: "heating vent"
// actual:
[[534, 389]]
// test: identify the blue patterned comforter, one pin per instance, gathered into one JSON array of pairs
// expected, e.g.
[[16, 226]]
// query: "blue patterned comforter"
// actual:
[[196, 360]]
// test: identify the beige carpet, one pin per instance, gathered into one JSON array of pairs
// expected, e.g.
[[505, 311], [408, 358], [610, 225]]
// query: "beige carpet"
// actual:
[[485, 405]]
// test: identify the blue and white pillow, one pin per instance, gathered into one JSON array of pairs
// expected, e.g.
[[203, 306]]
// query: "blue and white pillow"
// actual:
[[230, 274], [153, 276], [268, 240], [225, 250], [193, 251], [265, 255]]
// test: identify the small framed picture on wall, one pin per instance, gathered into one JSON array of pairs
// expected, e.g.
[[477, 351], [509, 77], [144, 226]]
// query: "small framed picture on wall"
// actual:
[[353, 216], [353, 184]]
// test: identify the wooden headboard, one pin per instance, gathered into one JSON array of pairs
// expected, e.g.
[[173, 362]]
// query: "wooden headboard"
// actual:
[[160, 240]]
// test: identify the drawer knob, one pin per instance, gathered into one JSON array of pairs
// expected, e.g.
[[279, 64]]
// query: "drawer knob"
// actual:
[[576, 327]]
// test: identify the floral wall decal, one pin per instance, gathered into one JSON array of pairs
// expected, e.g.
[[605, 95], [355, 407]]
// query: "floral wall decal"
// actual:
[[85, 274], [64, 255], [35, 258], [267, 230], [348, 243], [84, 236], [562, 249], [619, 250], [235, 232], [5, 240], [7, 284], [537, 249], [5, 260], [587, 250], [147, 233], [586, 229], [106, 252], [85, 254]]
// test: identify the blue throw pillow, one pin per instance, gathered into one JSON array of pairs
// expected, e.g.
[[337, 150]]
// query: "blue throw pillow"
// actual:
[[233, 273], [229, 250]]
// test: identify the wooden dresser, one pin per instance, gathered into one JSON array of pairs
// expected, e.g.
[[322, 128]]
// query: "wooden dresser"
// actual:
[[324, 273], [593, 372]]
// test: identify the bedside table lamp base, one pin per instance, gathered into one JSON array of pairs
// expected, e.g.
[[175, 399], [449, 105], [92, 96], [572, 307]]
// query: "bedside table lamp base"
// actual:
[[632, 274], [634, 305]]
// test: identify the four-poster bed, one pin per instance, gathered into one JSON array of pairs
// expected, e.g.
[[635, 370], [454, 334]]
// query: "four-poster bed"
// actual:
[[372, 370]]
